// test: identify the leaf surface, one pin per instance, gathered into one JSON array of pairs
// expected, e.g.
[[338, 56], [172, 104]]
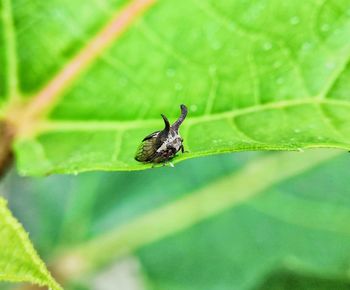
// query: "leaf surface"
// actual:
[[256, 76], [19, 262]]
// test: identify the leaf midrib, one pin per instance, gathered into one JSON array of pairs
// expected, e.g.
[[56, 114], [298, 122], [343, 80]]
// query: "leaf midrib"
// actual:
[[42, 125], [25, 115]]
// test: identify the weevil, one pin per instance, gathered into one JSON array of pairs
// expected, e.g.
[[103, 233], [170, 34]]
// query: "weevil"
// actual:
[[162, 146]]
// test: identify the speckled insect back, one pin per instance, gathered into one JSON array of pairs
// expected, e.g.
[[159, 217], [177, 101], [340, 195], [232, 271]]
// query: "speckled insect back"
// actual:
[[162, 146]]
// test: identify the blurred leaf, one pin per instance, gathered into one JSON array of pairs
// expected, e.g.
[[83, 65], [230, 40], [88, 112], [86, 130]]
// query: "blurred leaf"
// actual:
[[292, 281], [87, 205], [225, 222], [298, 227], [18, 259], [255, 75]]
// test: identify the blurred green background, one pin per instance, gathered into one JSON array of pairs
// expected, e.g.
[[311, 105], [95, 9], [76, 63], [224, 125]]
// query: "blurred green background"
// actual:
[[293, 234]]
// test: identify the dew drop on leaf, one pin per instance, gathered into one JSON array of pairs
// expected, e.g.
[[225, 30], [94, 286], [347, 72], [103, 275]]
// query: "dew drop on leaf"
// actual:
[[294, 20], [178, 86], [170, 72], [123, 82], [330, 65], [267, 46], [193, 108], [216, 45], [212, 69], [280, 80], [277, 64], [306, 46], [325, 27]]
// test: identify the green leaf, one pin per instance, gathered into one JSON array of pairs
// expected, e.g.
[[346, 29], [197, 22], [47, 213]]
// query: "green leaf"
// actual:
[[240, 219], [19, 262], [293, 232], [265, 75]]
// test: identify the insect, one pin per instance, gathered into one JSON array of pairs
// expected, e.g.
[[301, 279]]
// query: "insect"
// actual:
[[162, 146]]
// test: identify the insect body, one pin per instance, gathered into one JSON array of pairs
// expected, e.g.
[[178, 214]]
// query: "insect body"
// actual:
[[161, 146]]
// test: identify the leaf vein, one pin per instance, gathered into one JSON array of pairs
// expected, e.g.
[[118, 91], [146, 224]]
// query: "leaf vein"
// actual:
[[87, 125], [240, 131]]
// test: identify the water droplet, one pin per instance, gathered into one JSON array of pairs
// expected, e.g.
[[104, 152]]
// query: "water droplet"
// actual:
[[178, 86], [277, 64], [280, 81], [194, 34], [300, 150], [337, 31], [170, 72], [330, 65], [123, 82], [294, 20], [216, 45], [75, 172], [325, 27], [212, 69], [267, 46], [193, 108], [306, 46]]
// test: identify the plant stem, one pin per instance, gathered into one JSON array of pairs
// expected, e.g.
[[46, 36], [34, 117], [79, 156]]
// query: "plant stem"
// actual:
[[6, 139]]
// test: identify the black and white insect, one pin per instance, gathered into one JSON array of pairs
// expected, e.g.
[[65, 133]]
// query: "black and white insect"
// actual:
[[162, 146]]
